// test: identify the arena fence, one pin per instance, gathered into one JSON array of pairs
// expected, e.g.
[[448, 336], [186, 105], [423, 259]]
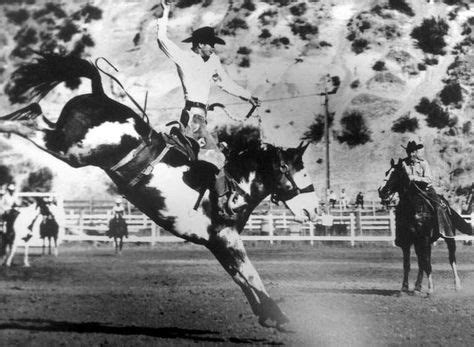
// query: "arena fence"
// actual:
[[88, 221], [351, 228]]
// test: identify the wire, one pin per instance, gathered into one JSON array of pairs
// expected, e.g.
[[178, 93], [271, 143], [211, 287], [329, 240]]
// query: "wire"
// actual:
[[244, 103]]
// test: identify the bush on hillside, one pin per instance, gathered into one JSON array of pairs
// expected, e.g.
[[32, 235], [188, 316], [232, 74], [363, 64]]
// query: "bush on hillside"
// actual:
[[421, 67], [88, 13], [316, 130], [265, 34], [49, 9], [17, 17], [268, 17], [451, 94], [436, 117], [244, 50], [401, 6], [405, 124], [354, 129], [248, 5], [26, 36], [359, 45], [379, 66], [40, 180], [244, 61], [67, 30], [303, 28], [231, 27], [298, 9], [430, 35], [355, 84]]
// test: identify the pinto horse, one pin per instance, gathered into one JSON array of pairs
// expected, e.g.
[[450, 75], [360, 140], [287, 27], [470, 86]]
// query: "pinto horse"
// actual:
[[416, 224], [93, 129]]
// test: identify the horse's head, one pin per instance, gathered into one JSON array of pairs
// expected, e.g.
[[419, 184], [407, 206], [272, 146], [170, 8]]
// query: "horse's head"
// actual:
[[395, 181], [283, 176]]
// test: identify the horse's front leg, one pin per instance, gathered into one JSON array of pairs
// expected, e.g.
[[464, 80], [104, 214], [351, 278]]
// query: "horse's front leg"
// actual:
[[43, 248], [451, 243], [406, 268], [26, 261], [229, 250], [49, 245], [11, 254]]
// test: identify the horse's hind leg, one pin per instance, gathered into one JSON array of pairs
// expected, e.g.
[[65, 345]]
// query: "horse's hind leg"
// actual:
[[121, 244], [43, 248], [26, 261], [116, 245], [451, 243], [55, 239], [406, 268]]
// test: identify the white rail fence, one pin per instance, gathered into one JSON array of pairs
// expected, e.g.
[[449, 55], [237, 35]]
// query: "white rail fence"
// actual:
[[350, 228], [368, 225]]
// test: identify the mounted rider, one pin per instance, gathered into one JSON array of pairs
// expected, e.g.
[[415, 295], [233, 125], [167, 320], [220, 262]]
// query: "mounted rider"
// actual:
[[197, 68], [419, 173], [9, 201]]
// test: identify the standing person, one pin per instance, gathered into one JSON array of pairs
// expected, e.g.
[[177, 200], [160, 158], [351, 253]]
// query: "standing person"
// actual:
[[359, 201], [197, 68], [343, 199], [332, 198]]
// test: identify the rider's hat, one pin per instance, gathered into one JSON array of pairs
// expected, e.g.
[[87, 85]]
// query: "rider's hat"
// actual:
[[11, 186], [205, 35], [118, 200], [412, 146]]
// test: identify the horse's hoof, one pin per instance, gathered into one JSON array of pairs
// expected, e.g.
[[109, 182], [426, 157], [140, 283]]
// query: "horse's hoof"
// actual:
[[26, 265]]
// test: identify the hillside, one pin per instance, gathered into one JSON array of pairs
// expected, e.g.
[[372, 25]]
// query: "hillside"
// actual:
[[285, 50]]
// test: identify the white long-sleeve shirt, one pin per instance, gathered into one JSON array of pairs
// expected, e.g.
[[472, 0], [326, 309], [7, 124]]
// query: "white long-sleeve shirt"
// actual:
[[196, 75]]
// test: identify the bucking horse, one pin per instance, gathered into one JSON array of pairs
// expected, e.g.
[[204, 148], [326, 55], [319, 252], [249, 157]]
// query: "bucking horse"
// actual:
[[157, 171], [417, 223]]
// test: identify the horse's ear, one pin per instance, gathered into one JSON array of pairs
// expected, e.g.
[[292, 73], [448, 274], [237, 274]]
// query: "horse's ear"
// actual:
[[392, 162], [302, 147]]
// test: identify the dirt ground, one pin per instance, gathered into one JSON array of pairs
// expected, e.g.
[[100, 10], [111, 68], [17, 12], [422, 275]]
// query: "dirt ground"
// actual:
[[174, 295]]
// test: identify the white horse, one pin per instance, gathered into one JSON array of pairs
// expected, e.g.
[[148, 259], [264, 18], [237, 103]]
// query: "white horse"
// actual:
[[18, 234]]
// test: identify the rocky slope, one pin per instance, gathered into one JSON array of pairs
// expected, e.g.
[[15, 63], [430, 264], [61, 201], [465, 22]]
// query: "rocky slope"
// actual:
[[281, 50]]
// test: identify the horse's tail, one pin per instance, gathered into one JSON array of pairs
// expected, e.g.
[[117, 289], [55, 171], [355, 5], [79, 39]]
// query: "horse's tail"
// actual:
[[459, 223], [37, 79]]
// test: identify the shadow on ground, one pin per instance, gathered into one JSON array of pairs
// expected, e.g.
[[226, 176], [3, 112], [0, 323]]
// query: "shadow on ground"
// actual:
[[100, 328]]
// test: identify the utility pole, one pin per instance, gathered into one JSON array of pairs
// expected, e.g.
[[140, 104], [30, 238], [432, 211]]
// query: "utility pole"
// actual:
[[334, 80]]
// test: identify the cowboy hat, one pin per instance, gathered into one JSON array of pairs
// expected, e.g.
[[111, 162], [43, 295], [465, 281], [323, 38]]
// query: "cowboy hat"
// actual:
[[412, 146], [11, 186], [205, 35], [118, 200]]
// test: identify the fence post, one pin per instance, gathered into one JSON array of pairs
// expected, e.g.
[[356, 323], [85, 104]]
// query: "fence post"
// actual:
[[81, 222], [352, 228], [391, 217], [271, 228], [154, 233], [311, 232]]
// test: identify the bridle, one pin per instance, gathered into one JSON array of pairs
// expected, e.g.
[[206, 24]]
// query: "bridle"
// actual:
[[295, 190]]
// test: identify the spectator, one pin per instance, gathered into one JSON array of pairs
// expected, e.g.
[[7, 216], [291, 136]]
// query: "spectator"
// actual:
[[344, 201], [359, 200], [332, 198]]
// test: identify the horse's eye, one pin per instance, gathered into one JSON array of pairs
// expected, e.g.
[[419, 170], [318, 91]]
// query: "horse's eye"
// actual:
[[284, 168]]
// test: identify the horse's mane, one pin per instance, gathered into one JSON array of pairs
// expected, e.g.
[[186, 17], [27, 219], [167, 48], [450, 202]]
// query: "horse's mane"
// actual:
[[245, 149]]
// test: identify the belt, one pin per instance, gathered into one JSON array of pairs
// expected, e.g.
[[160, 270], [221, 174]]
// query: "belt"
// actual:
[[189, 104]]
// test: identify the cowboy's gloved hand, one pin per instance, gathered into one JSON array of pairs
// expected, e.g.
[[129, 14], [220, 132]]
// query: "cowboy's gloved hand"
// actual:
[[255, 101]]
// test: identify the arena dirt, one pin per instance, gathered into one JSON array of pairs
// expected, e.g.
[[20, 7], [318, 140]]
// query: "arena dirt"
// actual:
[[177, 295]]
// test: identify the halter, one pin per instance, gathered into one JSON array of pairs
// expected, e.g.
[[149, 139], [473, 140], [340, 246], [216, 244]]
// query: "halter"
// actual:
[[285, 171]]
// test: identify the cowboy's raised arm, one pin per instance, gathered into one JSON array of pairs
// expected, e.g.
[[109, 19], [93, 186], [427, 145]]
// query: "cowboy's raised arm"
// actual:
[[168, 47], [224, 81]]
